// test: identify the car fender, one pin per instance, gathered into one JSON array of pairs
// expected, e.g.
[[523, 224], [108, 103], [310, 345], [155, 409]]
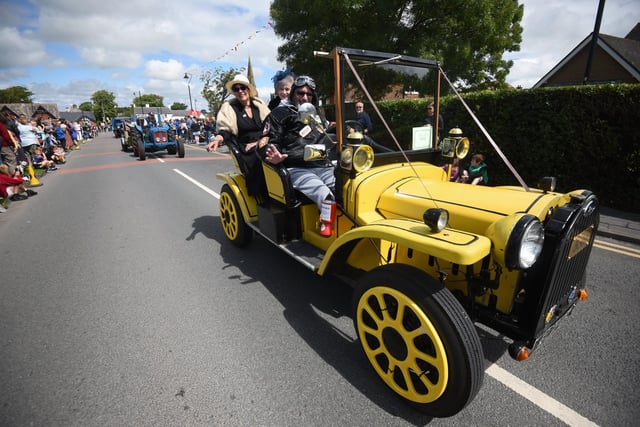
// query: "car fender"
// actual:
[[238, 184], [456, 246]]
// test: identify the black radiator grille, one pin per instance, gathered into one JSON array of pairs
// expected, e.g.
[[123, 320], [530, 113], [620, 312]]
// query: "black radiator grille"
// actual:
[[569, 237]]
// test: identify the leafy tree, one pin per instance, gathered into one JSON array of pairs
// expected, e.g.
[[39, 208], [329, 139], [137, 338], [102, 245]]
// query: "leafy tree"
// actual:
[[179, 106], [468, 37], [104, 105], [150, 99], [214, 90], [126, 111], [86, 106], [16, 95]]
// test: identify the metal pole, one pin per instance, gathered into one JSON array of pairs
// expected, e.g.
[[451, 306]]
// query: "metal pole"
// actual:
[[187, 76], [594, 42]]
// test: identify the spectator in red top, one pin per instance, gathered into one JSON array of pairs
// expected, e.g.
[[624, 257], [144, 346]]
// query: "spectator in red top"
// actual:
[[13, 187]]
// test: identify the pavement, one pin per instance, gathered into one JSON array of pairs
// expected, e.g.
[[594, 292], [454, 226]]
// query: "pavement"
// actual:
[[619, 225]]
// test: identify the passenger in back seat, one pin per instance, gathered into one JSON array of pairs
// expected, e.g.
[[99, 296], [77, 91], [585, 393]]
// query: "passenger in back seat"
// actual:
[[239, 122]]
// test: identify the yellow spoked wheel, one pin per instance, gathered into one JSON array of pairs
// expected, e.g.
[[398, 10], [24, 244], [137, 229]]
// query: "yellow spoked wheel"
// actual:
[[402, 345], [233, 224], [418, 339]]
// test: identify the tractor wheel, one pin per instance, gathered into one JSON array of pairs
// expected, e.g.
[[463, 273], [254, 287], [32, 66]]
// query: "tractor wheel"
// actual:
[[233, 224], [180, 148], [134, 142], [418, 339], [141, 149], [123, 144]]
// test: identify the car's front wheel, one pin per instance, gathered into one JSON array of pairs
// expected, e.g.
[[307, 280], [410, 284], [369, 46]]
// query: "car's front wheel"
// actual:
[[418, 339]]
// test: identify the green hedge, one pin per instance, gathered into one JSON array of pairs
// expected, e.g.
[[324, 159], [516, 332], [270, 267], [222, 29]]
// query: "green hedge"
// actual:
[[586, 136]]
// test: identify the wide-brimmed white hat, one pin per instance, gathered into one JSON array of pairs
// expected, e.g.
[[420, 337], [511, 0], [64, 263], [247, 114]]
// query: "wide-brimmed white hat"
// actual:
[[242, 80]]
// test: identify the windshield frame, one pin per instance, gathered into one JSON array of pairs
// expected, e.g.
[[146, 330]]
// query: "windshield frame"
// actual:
[[344, 60]]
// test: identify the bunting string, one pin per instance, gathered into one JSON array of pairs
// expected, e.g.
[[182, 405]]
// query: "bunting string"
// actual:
[[267, 26]]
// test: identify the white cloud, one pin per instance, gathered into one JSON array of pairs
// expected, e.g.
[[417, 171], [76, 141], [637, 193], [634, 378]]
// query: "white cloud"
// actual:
[[164, 70], [20, 49]]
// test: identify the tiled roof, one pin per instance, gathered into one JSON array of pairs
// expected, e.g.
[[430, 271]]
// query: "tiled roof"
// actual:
[[163, 110], [30, 110], [629, 49], [74, 116], [625, 51]]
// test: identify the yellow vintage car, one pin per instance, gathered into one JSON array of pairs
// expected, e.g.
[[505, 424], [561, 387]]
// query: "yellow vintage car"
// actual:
[[426, 257]]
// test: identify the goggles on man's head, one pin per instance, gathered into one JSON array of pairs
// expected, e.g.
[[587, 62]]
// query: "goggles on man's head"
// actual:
[[305, 81]]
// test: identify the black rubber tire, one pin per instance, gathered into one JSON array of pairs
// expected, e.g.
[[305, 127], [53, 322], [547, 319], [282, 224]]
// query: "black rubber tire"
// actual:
[[233, 223], [135, 136], [407, 321], [180, 148], [141, 150]]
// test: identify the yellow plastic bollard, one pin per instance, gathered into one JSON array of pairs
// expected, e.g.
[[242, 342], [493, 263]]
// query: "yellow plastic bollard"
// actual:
[[34, 182]]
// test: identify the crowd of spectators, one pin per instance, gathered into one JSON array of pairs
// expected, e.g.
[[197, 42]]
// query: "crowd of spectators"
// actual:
[[30, 145], [194, 130]]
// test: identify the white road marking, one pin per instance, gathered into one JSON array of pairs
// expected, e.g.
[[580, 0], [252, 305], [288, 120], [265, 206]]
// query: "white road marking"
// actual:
[[540, 399], [197, 184], [543, 401]]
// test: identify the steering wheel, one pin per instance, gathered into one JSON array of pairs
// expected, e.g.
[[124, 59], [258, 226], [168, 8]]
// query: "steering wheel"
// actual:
[[354, 124]]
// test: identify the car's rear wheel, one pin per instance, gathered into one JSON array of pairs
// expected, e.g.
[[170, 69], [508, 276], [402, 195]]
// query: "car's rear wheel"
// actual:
[[233, 223], [418, 339]]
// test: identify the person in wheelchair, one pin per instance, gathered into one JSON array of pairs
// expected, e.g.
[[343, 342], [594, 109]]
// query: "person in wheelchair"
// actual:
[[283, 142]]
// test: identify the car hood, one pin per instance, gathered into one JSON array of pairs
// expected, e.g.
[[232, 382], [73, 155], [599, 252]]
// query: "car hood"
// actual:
[[472, 208]]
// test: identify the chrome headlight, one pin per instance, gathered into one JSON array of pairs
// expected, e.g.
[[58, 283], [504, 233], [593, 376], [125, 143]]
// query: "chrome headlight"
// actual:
[[346, 158], [363, 158], [525, 243]]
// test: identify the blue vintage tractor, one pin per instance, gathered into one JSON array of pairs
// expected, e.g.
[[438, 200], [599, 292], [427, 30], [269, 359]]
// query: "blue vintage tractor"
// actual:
[[145, 138]]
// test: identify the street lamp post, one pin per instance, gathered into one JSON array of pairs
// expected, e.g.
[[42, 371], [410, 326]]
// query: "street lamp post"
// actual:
[[187, 76]]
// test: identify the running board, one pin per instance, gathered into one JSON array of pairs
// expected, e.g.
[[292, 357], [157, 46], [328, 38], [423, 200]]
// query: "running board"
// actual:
[[305, 253]]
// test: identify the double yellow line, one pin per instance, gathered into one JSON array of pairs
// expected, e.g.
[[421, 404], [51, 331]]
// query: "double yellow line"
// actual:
[[619, 249]]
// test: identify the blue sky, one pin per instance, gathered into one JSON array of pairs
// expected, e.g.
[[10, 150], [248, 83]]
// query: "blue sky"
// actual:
[[65, 50]]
